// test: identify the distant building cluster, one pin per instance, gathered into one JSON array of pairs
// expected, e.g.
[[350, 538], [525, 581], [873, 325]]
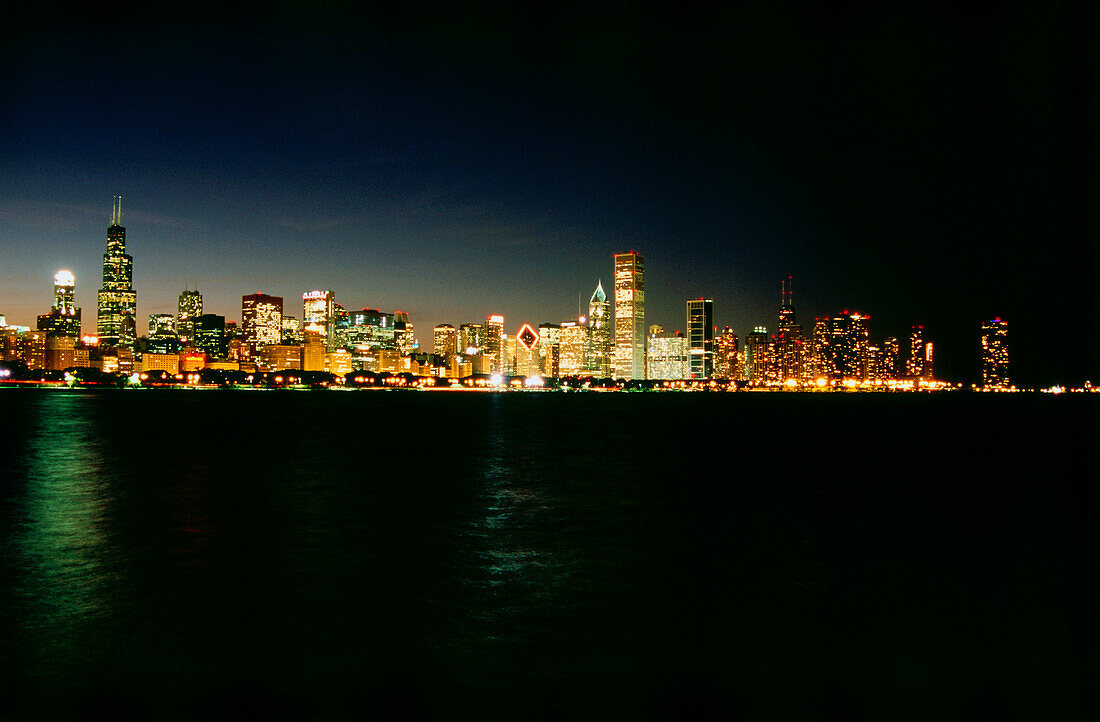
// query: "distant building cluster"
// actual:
[[610, 341]]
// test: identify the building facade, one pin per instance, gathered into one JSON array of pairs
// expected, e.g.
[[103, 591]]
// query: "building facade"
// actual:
[[117, 306], [628, 360], [700, 338], [994, 353]]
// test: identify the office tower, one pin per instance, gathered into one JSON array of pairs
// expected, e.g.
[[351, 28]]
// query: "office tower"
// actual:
[[821, 353], [318, 309], [494, 346], [526, 351], [928, 363], [471, 338], [667, 356], [891, 355], [700, 338], [338, 336], [313, 351], [914, 366], [790, 343], [850, 341], [190, 308], [117, 308], [598, 353], [446, 340], [995, 353], [261, 320], [550, 349], [760, 365], [572, 344], [628, 361], [368, 331], [291, 330], [64, 317], [209, 329], [726, 347], [162, 334]]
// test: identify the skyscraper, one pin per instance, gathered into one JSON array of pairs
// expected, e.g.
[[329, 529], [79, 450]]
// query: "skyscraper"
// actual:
[[64, 317], [318, 315], [630, 339], [666, 356], [700, 338], [446, 340], [572, 340], [117, 307], [914, 365], [790, 343], [189, 308], [494, 344], [261, 320], [726, 347], [598, 353], [995, 353], [550, 349]]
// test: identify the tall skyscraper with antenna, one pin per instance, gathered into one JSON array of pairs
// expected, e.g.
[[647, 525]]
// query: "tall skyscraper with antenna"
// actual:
[[117, 307], [790, 344], [628, 360], [598, 353]]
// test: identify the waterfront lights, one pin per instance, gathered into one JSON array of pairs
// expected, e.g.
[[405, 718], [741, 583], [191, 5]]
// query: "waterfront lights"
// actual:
[[496, 379]]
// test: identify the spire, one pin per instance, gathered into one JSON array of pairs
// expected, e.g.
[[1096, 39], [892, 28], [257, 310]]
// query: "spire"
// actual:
[[116, 211], [598, 296]]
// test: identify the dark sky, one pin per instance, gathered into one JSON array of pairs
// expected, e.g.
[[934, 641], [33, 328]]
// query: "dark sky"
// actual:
[[918, 165]]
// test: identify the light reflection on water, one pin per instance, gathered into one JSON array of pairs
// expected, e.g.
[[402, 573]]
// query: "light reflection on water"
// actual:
[[62, 539]]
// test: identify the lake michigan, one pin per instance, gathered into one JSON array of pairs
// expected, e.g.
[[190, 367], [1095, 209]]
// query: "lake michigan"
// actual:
[[549, 555]]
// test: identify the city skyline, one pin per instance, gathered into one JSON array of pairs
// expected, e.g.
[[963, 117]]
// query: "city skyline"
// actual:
[[485, 167]]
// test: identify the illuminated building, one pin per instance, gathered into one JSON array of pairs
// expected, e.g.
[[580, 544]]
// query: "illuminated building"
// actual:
[[64, 317], [338, 362], [338, 337], [726, 347], [313, 351], [790, 346], [280, 357], [526, 351], [549, 349], [31, 349], [291, 330], [572, 342], [210, 335], [60, 352], [821, 350], [446, 340], [261, 320], [494, 346], [891, 356], [928, 363], [318, 317], [190, 308], [760, 365], [162, 334], [169, 362], [471, 338], [914, 367], [116, 321], [995, 353], [850, 338], [667, 356], [598, 353], [628, 361], [700, 338]]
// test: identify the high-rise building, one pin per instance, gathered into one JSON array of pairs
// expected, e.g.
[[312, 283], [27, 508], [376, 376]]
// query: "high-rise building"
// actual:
[[914, 366], [667, 356], [891, 355], [572, 342], [190, 308], [726, 348], [292, 330], [494, 343], [446, 340], [790, 346], [995, 353], [628, 361], [700, 338], [210, 336], [117, 307], [550, 349], [313, 351], [851, 338], [598, 353], [318, 315], [261, 320], [162, 334], [64, 317], [471, 338], [527, 351], [760, 364]]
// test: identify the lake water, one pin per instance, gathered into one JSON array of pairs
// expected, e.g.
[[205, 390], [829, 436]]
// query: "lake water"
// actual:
[[551, 556]]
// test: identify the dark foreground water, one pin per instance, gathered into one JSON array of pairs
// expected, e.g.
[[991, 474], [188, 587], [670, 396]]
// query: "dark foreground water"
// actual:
[[169, 554]]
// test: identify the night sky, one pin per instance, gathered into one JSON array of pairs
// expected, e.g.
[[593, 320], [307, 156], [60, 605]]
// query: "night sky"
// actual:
[[918, 165]]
